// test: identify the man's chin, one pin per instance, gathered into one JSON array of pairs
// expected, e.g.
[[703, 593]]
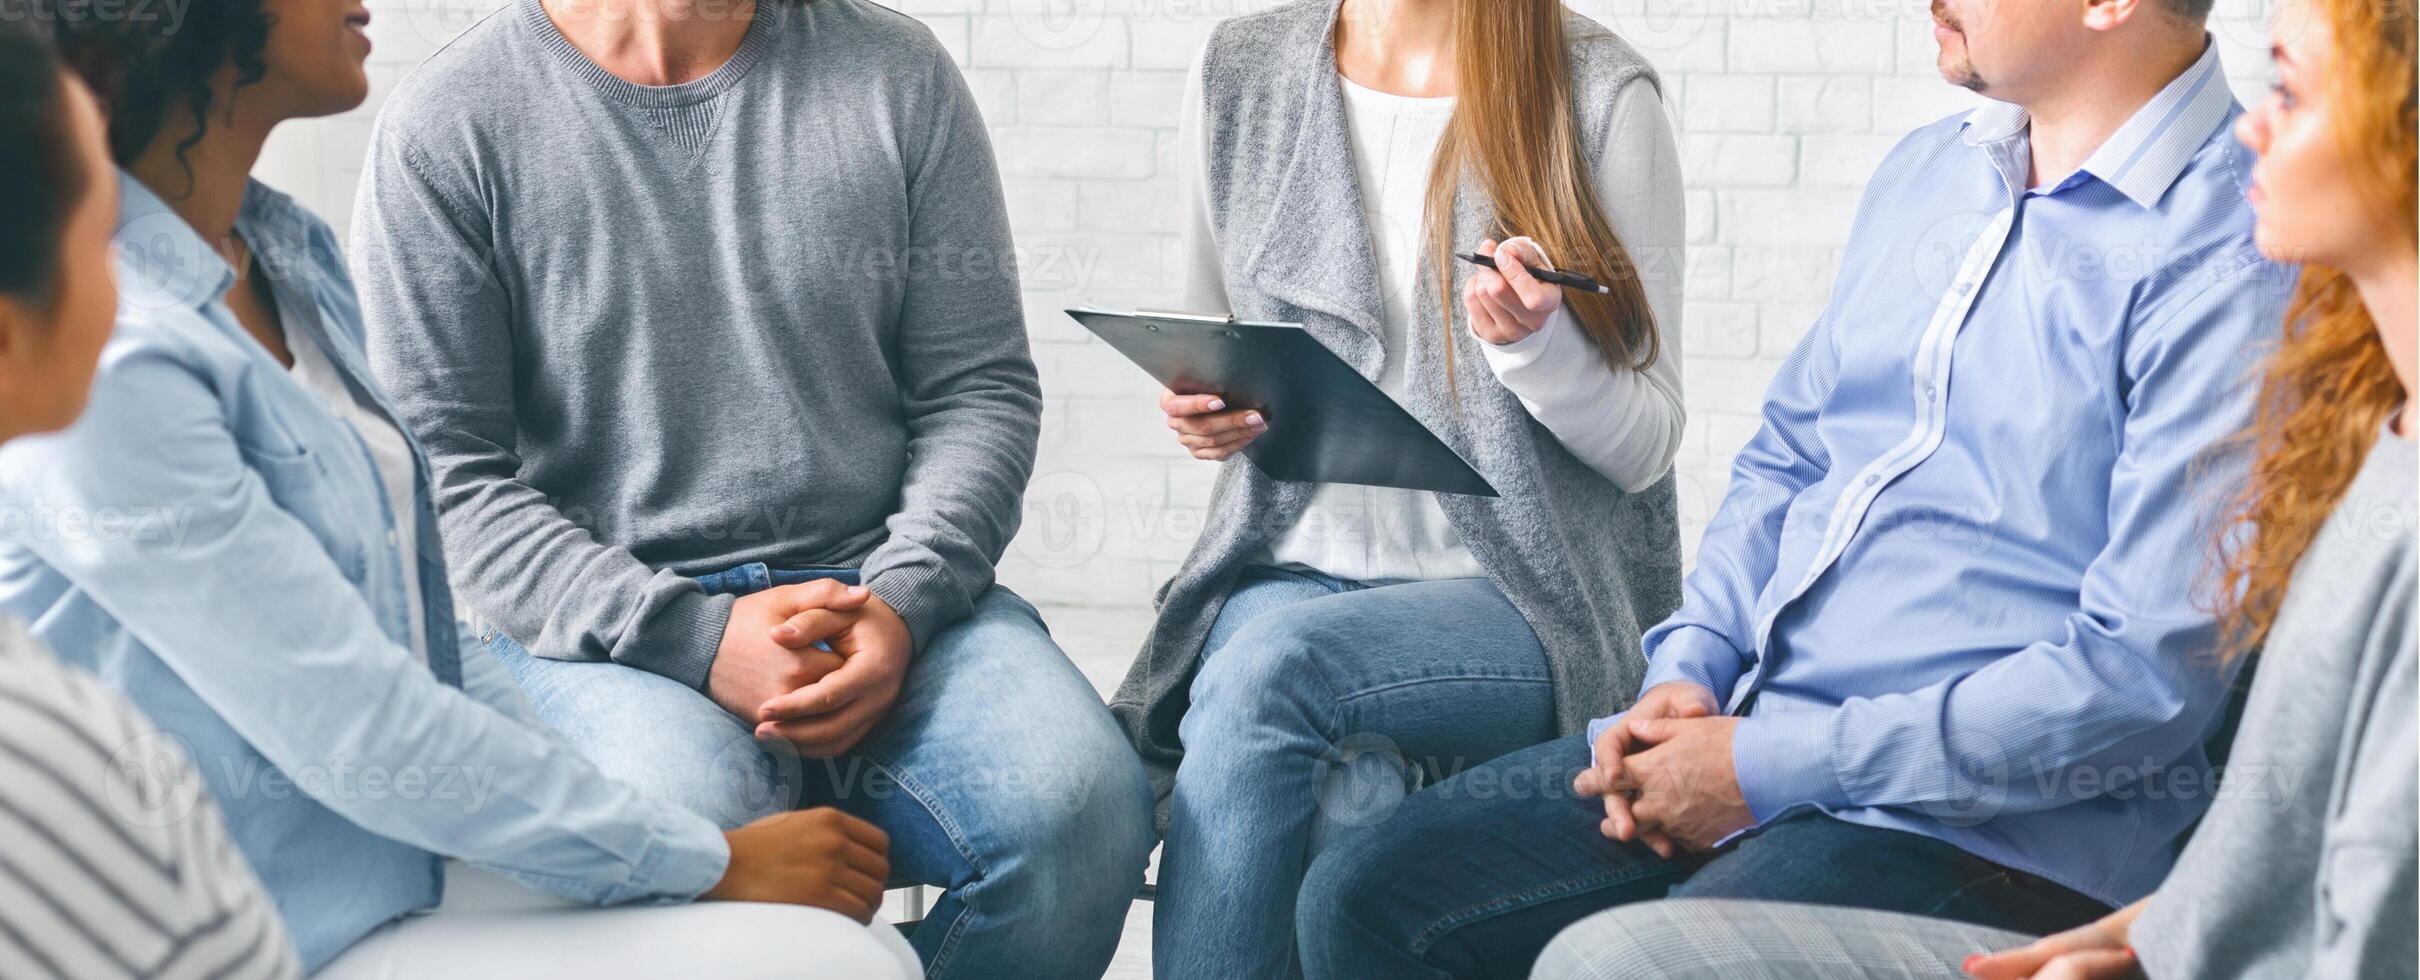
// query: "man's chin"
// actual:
[[1957, 71]]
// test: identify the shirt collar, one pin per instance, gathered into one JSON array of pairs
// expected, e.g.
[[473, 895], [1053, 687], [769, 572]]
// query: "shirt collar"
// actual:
[[2145, 156], [163, 262]]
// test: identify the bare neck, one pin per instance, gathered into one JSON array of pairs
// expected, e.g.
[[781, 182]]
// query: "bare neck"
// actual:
[[204, 183], [2094, 98], [2389, 291], [654, 42], [1402, 47]]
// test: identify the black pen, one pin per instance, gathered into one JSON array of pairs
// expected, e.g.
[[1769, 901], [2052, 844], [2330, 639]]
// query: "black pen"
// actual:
[[1567, 279]]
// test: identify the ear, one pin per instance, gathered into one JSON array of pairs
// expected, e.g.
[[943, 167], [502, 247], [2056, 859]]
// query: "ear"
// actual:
[[2106, 15], [18, 320]]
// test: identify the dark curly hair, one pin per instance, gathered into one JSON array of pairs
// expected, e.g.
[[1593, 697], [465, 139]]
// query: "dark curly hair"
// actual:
[[145, 69], [41, 177]]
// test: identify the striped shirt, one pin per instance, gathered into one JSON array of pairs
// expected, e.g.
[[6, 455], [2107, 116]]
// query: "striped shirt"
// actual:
[[113, 860]]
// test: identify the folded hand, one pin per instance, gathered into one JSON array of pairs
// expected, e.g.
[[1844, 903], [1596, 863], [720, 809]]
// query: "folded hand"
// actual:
[[769, 644], [1676, 699], [1686, 787], [831, 715]]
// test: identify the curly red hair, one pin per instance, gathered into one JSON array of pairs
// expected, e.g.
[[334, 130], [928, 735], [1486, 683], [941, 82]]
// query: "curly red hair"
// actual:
[[2329, 387]]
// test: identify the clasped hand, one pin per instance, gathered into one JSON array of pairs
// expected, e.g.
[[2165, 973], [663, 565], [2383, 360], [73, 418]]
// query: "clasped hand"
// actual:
[[823, 700], [1665, 773]]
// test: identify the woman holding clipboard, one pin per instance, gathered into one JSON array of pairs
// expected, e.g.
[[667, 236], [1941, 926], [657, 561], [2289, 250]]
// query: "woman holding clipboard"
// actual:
[[1327, 648]]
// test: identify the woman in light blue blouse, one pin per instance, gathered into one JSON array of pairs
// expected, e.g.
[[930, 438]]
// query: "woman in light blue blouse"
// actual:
[[140, 895], [239, 537]]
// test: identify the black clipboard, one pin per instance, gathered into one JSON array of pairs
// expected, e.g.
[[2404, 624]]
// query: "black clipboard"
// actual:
[[1328, 424]]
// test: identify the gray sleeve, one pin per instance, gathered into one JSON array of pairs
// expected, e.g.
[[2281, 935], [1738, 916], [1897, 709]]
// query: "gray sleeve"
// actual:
[[966, 377], [439, 325], [2366, 886]]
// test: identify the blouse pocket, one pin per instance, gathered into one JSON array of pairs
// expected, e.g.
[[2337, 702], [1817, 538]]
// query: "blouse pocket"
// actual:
[[299, 483], [272, 453], [281, 464], [266, 437], [279, 461]]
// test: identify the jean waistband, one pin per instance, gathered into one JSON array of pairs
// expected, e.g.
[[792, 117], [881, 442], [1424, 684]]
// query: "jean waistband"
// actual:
[[756, 576]]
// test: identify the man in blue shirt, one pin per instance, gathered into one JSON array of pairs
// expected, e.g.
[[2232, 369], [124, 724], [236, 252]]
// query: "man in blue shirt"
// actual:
[[1942, 651]]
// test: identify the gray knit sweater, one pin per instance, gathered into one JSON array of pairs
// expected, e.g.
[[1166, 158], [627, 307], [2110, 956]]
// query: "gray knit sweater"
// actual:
[[2305, 866], [1587, 564], [770, 315]]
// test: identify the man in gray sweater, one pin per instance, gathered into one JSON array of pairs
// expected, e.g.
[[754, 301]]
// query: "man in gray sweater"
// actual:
[[692, 306]]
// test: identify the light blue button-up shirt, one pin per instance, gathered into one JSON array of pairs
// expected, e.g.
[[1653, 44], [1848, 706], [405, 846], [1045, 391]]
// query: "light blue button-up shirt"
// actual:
[[215, 542], [1955, 571]]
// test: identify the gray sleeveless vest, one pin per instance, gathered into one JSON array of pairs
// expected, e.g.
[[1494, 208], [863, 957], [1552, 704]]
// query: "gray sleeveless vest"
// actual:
[[1588, 565]]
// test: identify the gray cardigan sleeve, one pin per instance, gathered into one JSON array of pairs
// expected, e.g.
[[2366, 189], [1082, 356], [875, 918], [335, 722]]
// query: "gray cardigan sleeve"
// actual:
[[2366, 889]]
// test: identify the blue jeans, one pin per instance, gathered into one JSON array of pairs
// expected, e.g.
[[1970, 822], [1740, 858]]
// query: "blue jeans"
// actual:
[[998, 775], [1319, 705], [1472, 877]]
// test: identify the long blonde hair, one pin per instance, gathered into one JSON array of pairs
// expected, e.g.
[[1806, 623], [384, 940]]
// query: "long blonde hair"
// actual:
[[1514, 132], [2328, 387]]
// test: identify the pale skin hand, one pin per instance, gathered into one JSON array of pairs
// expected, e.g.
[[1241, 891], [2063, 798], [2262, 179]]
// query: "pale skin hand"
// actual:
[[1610, 777], [1504, 306], [831, 715], [1207, 428], [1688, 789], [2093, 951], [1507, 303], [822, 858], [768, 647]]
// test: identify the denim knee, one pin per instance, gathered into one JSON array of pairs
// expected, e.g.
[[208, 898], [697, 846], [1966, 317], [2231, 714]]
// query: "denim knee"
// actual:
[[665, 740], [1347, 903], [1267, 674], [725, 777], [1082, 855]]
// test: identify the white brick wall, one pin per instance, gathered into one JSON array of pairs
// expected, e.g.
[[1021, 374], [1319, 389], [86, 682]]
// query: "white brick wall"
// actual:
[[1783, 107]]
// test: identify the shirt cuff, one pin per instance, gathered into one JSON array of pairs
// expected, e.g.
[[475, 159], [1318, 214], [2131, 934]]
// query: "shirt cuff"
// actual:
[[687, 857], [1527, 350], [1783, 760], [681, 639], [1596, 730], [1697, 655]]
